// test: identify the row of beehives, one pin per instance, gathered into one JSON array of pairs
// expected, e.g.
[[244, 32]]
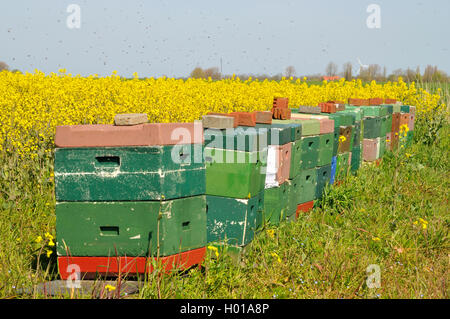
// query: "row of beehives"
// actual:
[[167, 191]]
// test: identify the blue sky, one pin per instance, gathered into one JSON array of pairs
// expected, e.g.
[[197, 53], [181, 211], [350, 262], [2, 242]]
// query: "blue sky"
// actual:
[[156, 38]]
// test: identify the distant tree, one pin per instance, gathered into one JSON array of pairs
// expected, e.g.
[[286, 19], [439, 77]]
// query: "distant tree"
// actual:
[[197, 73], [3, 66], [331, 69], [213, 72], [347, 72], [290, 71]]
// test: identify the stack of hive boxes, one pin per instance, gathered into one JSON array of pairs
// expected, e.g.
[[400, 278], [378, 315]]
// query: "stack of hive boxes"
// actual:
[[276, 193], [127, 194], [282, 185], [235, 177], [406, 124], [309, 158], [356, 137], [376, 122]]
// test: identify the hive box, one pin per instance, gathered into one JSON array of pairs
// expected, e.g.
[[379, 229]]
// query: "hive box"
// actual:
[[247, 139], [356, 159], [308, 182], [296, 159], [90, 267], [404, 119], [395, 127], [276, 201], [309, 127], [370, 147], [372, 127], [374, 111], [150, 134], [277, 134], [235, 174], [411, 122], [130, 228], [310, 151], [404, 108], [129, 173], [326, 143], [323, 178], [278, 164], [346, 144], [326, 125], [233, 221], [294, 195]]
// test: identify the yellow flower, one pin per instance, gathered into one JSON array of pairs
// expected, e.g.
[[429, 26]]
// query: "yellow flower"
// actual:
[[110, 287], [271, 233], [38, 239], [48, 235], [342, 139], [51, 243], [49, 252], [376, 238], [275, 255], [214, 249], [408, 155]]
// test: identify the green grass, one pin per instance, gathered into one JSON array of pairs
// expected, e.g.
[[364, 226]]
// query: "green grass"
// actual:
[[324, 254]]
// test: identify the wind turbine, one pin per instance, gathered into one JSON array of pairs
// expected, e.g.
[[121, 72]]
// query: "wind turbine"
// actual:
[[361, 66]]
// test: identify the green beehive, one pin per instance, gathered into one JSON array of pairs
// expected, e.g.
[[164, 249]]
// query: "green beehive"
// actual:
[[346, 119], [389, 108], [357, 137], [342, 165], [308, 181], [246, 139], [372, 127], [323, 178], [233, 221], [276, 201], [384, 126], [296, 129], [326, 144], [389, 123], [309, 127], [234, 173], [356, 111], [296, 159], [129, 173], [404, 108], [310, 151], [130, 228], [294, 195], [374, 111], [276, 134], [356, 158]]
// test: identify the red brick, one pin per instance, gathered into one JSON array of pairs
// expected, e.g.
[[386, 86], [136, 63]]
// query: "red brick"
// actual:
[[245, 118], [264, 117], [390, 101], [105, 135], [336, 102], [282, 114], [227, 114], [281, 102], [328, 107], [113, 266], [304, 207], [356, 102], [375, 101]]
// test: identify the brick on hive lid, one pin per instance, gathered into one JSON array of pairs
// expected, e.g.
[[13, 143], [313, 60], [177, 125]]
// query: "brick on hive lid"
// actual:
[[218, 121], [130, 119], [263, 117]]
